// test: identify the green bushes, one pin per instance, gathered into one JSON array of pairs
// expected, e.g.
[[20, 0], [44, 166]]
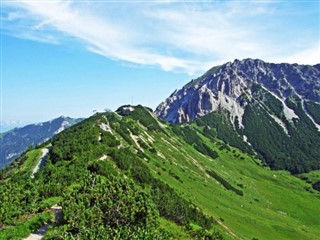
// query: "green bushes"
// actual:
[[224, 183], [109, 140], [177, 209], [100, 199], [125, 134], [102, 168], [218, 124], [191, 137], [109, 207], [17, 200], [314, 110], [270, 102], [142, 144], [198, 232], [169, 204], [24, 229], [316, 186], [172, 174], [297, 153], [142, 115]]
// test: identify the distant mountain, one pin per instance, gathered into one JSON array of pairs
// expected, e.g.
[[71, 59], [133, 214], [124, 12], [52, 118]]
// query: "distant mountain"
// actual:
[[16, 141], [9, 125], [271, 109]]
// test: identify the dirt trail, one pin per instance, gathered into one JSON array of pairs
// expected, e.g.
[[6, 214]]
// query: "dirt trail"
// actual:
[[44, 228], [41, 162], [228, 230]]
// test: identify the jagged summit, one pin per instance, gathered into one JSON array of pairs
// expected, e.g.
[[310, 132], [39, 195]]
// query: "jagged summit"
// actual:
[[229, 86], [271, 108]]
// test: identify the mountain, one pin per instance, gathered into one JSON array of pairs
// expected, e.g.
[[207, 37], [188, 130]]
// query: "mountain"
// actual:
[[16, 141], [266, 108], [129, 175]]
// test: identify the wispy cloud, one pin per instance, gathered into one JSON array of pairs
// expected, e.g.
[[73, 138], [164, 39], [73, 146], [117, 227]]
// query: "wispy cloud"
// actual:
[[184, 37]]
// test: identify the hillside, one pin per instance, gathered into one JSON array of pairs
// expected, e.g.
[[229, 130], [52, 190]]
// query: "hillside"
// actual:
[[129, 175], [16, 141], [271, 109]]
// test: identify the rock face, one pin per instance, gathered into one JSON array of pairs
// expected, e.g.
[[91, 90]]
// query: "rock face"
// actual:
[[14, 142], [231, 85], [272, 109]]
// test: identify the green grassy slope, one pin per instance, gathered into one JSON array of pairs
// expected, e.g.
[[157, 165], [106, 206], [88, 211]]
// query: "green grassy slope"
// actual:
[[275, 204], [209, 179]]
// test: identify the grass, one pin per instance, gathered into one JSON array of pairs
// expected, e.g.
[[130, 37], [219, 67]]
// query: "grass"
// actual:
[[25, 229], [178, 232], [274, 205], [32, 158], [310, 177], [22, 166], [49, 202]]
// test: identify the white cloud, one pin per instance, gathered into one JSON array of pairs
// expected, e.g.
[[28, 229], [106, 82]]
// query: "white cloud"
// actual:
[[184, 37], [309, 56], [45, 38]]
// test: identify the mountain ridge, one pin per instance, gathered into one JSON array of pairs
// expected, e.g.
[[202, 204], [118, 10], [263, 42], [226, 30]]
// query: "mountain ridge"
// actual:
[[279, 100], [130, 175], [243, 72], [17, 140]]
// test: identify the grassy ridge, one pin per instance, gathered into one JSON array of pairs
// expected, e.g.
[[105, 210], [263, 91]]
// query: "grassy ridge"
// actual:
[[276, 203], [160, 162]]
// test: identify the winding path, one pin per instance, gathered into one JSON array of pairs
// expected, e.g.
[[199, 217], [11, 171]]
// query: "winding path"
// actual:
[[41, 162], [44, 228]]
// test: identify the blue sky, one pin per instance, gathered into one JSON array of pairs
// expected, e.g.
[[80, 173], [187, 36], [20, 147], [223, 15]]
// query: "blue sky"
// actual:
[[72, 57]]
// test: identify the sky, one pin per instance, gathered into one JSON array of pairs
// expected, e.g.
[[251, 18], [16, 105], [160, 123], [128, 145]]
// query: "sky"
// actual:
[[72, 58]]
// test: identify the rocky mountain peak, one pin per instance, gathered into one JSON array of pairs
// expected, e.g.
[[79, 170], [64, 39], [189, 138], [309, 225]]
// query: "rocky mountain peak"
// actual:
[[229, 86]]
